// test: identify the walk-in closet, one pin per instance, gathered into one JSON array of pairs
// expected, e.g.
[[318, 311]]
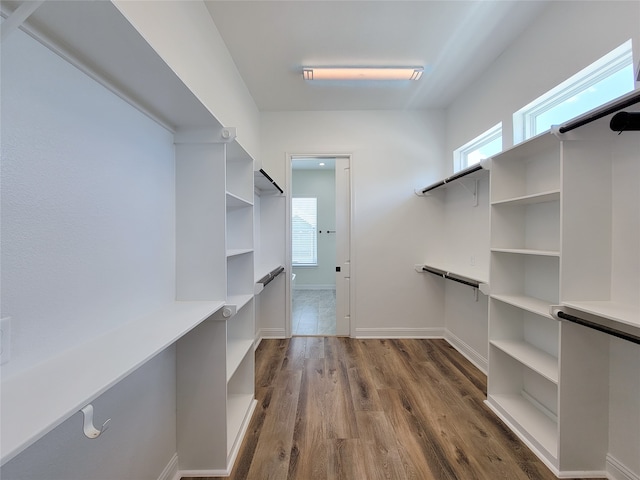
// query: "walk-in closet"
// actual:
[[486, 306]]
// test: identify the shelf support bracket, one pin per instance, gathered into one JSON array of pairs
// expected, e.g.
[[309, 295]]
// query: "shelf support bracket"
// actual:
[[473, 191], [17, 18]]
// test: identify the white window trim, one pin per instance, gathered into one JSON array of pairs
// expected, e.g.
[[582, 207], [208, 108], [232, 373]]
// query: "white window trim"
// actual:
[[524, 125], [461, 154]]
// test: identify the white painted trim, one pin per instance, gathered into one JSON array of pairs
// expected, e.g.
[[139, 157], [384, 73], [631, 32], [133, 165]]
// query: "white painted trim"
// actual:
[[616, 470], [288, 282], [466, 351], [353, 250], [524, 438], [437, 332], [269, 333], [170, 472], [582, 474], [201, 473], [235, 449], [314, 287]]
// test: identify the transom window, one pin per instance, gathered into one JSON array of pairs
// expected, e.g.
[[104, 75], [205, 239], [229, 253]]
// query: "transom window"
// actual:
[[483, 146], [606, 79]]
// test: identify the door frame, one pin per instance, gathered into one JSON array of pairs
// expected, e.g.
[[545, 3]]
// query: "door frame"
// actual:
[[289, 268]]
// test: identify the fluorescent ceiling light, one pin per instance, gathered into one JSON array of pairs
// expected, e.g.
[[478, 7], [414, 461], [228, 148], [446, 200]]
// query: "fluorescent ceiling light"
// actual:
[[362, 73]]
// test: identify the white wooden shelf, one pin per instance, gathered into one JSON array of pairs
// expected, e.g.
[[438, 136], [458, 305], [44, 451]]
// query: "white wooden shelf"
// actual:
[[264, 184], [529, 148], [154, 88], [237, 349], [543, 197], [528, 251], [238, 251], [239, 300], [617, 312], [530, 304], [530, 423], [534, 358], [234, 201], [78, 376], [614, 318]]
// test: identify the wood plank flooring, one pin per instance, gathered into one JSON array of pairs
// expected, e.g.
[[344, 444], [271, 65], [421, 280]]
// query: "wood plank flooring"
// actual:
[[339, 408]]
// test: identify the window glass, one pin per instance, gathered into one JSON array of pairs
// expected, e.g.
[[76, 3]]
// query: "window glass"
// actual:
[[483, 146], [604, 80], [607, 89], [304, 228]]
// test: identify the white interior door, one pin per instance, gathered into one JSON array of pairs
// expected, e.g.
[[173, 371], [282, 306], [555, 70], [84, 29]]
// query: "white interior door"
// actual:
[[343, 241]]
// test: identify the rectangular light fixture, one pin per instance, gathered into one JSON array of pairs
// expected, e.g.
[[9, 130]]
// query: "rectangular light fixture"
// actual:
[[362, 73]]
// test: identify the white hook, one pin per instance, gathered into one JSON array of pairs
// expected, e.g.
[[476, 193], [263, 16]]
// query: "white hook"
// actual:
[[89, 429]]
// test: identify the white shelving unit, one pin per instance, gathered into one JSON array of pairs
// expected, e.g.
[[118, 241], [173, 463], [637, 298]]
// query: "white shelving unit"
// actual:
[[557, 237], [525, 250], [211, 321], [216, 362]]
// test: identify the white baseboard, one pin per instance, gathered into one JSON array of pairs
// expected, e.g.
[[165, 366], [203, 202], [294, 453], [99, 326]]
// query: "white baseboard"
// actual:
[[202, 473], [170, 472], [436, 332], [616, 470], [580, 474], [314, 287], [468, 352], [268, 333]]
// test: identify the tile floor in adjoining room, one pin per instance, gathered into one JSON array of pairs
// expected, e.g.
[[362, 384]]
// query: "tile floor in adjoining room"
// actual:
[[314, 312]]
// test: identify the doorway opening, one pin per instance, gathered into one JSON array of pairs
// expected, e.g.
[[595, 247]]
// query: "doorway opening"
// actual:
[[319, 245]]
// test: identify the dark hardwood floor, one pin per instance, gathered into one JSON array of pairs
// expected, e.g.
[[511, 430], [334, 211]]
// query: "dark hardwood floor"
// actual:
[[340, 408]]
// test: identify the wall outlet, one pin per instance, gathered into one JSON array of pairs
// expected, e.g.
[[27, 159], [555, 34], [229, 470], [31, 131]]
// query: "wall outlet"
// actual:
[[472, 261], [5, 340]]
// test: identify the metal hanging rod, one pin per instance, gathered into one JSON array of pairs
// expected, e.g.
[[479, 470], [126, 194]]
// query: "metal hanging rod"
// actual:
[[270, 276], [266, 175], [601, 328], [608, 109], [450, 276], [460, 174]]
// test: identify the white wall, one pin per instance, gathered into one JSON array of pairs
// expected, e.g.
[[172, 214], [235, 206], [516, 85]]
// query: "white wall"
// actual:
[[566, 37], [88, 242], [322, 185], [186, 38], [393, 153], [464, 249], [87, 206]]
